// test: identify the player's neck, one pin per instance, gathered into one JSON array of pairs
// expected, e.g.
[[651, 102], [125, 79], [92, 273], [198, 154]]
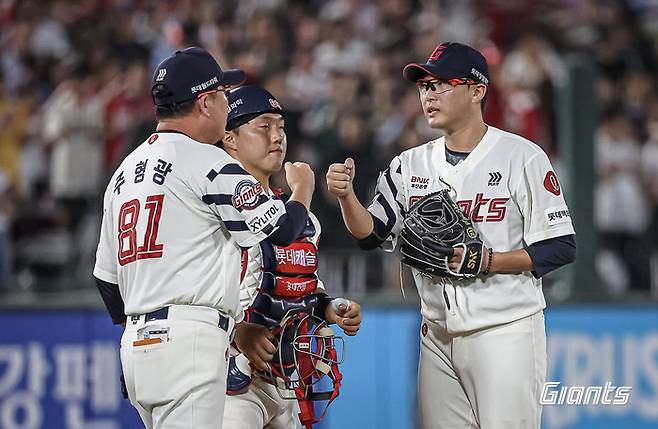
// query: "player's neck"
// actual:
[[466, 137], [263, 178], [186, 128]]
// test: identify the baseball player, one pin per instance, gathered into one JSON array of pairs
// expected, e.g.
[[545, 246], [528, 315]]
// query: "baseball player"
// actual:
[[276, 278], [483, 345], [176, 213]]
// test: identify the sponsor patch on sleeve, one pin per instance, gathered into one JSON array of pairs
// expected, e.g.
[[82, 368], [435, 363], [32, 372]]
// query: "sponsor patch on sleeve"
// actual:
[[258, 223], [557, 215], [246, 195]]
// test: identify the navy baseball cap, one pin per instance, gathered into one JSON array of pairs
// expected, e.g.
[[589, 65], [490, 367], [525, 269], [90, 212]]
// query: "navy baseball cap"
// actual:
[[451, 60], [188, 73], [248, 102]]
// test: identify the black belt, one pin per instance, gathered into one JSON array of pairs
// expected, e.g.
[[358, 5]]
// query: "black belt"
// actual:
[[163, 313]]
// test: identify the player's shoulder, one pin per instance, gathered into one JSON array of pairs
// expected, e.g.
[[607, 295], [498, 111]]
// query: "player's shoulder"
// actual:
[[421, 152], [515, 146]]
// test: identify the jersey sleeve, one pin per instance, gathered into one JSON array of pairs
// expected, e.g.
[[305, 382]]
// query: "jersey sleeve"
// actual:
[[247, 210], [106, 254], [540, 198], [387, 205]]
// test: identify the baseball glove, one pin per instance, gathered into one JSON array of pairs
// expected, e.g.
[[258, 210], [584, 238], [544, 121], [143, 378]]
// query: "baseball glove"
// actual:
[[432, 228]]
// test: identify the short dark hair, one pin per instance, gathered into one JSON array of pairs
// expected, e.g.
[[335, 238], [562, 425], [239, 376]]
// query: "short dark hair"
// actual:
[[173, 110]]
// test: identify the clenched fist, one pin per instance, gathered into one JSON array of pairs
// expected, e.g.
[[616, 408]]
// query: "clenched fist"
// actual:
[[340, 177], [301, 180], [299, 174]]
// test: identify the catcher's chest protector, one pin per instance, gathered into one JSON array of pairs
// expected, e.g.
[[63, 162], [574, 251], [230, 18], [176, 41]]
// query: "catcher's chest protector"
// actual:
[[287, 286], [285, 303]]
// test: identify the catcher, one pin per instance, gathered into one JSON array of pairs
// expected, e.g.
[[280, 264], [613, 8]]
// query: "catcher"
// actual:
[[285, 345], [480, 218]]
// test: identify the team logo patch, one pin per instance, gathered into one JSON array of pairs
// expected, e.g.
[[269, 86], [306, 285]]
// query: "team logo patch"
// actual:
[[275, 104], [419, 182], [247, 195], [423, 329], [551, 184]]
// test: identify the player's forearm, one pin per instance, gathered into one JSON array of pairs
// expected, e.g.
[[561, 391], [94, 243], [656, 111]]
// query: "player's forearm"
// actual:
[[302, 196], [357, 218], [514, 262]]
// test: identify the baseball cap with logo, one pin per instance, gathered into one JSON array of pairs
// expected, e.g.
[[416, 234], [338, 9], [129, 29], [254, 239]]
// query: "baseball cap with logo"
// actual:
[[188, 73], [248, 102], [451, 60]]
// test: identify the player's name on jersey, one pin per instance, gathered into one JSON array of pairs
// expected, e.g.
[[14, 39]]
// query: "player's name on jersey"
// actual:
[[160, 170]]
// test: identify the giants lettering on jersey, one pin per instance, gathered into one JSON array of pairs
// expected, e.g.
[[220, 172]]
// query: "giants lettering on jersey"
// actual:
[[479, 210], [484, 209]]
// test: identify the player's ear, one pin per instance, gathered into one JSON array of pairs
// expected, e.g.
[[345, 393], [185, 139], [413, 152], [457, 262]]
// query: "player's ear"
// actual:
[[204, 103], [479, 92], [229, 140]]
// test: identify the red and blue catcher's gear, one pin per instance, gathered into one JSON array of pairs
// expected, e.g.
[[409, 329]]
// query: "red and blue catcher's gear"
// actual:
[[288, 302]]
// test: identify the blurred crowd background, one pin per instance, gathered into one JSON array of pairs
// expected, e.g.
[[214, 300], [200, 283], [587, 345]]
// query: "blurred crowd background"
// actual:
[[74, 100]]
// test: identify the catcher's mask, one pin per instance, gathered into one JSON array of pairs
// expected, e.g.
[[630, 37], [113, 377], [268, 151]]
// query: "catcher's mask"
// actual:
[[307, 351]]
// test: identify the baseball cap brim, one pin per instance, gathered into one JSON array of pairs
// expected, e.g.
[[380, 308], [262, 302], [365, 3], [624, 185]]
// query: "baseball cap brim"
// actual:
[[233, 77], [414, 72]]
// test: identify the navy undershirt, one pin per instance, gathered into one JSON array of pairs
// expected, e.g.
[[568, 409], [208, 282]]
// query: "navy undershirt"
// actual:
[[454, 157]]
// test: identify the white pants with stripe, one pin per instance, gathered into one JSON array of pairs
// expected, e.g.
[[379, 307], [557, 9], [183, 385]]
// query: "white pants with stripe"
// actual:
[[259, 407], [179, 383], [486, 379]]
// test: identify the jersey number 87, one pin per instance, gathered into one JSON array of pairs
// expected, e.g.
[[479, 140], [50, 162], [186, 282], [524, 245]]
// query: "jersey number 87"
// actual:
[[128, 217]]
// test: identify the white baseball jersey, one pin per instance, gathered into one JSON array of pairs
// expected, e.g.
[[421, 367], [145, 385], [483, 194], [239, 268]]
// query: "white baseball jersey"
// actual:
[[175, 215], [509, 190]]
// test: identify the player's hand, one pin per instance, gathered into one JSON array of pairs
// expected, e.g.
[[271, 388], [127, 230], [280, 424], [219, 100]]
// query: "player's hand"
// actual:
[[456, 259], [299, 176], [340, 177], [347, 315], [301, 180], [253, 341]]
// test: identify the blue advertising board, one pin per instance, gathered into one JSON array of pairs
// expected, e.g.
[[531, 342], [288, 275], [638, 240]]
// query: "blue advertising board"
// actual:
[[60, 370]]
